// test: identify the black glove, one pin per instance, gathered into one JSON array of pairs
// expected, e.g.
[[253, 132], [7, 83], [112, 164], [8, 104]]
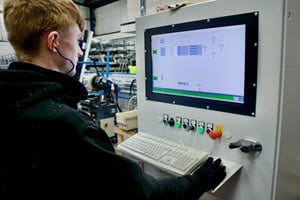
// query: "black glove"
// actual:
[[209, 175]]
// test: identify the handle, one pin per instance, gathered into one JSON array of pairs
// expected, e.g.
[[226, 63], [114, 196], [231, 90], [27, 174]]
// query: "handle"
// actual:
[[246, 146]]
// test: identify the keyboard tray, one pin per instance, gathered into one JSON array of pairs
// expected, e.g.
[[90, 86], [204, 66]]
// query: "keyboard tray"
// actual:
[[170, 157]]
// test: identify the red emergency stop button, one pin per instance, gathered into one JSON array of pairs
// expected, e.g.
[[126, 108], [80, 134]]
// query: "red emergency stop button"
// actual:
[[214, 134]]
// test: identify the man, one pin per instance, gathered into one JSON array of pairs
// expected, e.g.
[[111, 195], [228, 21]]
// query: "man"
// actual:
[[48, 148]]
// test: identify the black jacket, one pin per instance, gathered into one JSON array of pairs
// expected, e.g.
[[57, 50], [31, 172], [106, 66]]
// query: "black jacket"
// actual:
[[48, 148]]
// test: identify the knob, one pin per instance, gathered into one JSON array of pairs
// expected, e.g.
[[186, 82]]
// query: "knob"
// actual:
[[185, 126], [171, 122], [191, 128]]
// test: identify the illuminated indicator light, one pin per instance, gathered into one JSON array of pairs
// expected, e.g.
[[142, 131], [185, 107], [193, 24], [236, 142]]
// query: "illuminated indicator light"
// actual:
[[165, 119], [200, 129], [208, 130], [178, 124]]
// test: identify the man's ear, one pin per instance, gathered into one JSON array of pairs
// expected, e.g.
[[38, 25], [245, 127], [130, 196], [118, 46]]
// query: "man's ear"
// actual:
[[52, 41]]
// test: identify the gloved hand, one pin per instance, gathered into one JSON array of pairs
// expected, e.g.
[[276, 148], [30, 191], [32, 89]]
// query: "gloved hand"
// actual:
[[210, 174]]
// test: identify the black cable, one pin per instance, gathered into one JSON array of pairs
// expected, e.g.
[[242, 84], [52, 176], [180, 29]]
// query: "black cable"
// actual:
[[131, 86], [117, 102], [95, 66]]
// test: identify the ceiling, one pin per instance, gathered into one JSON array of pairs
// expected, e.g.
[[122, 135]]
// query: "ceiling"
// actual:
[[93, 3]]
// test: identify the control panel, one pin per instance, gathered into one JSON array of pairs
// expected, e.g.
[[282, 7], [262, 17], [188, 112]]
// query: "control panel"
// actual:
[[226, 80], [214, 131]]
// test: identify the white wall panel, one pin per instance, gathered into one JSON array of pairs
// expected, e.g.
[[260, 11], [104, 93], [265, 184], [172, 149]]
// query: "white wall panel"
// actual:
[[109, 17]]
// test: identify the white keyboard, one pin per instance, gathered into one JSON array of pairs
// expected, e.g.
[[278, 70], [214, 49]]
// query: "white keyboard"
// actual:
[[171, 157]]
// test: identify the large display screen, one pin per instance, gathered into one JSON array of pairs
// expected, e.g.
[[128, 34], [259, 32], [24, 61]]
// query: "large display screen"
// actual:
[[210, 64]]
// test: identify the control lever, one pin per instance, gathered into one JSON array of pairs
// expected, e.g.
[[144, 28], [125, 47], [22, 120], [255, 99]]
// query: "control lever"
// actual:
[[246, 146]]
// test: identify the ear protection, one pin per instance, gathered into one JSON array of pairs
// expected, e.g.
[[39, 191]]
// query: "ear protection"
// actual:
[[55, 44], [55, 49]]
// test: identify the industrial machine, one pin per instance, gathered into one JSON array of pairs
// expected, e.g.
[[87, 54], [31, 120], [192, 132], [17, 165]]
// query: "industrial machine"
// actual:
[[225, 79], [102, 104]]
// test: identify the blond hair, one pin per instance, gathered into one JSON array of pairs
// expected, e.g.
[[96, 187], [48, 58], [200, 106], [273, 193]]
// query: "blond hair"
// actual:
[[27, 20]]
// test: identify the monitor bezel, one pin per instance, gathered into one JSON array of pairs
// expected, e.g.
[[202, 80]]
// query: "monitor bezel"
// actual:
[[251, 61]]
